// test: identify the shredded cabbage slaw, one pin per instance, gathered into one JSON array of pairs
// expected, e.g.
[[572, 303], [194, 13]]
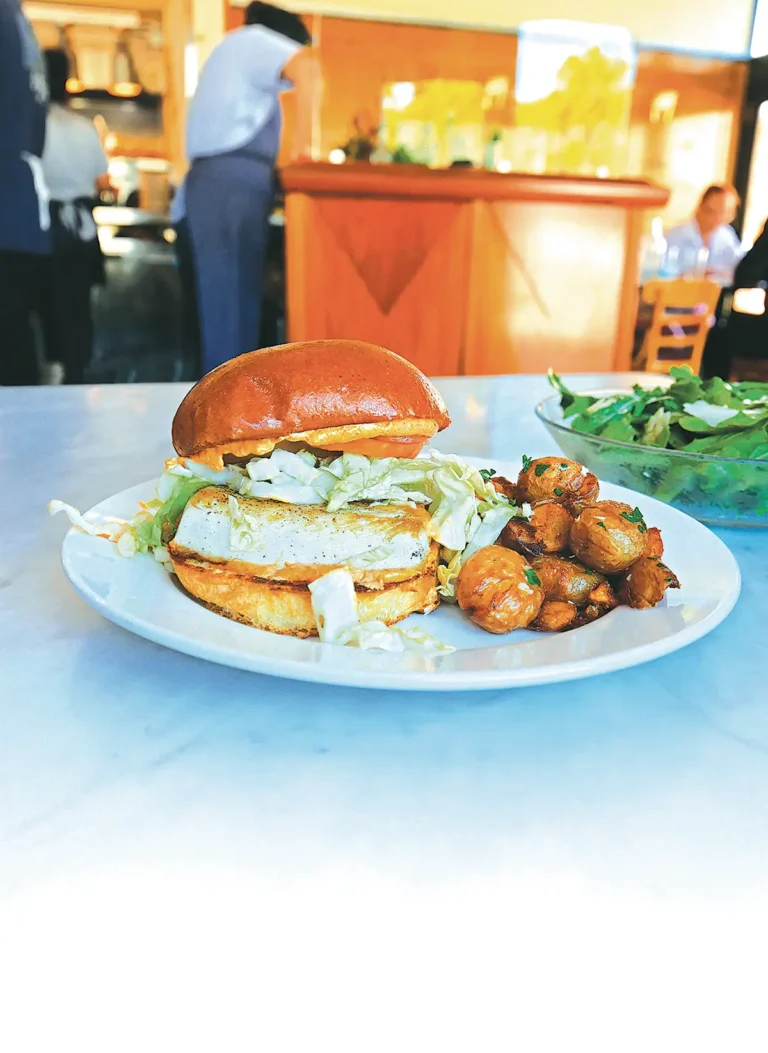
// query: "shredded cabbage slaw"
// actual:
[[466, 513]]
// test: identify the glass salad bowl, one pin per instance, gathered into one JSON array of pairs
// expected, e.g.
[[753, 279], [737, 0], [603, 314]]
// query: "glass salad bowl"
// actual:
[[722, 491]]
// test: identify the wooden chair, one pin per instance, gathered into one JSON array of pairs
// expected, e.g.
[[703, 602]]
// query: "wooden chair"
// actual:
[[682, 315]]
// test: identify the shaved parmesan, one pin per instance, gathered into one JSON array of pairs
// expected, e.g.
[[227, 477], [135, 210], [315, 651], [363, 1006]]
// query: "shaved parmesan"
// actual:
[[711, 415]]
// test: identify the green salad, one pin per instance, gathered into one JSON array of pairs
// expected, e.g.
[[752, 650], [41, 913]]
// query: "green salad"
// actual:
[[709, 418], [695, 415]]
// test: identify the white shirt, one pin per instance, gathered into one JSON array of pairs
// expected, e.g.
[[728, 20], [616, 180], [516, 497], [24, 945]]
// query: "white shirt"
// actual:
[[724, 250], [237, 90], [73, 157], [235, 94]]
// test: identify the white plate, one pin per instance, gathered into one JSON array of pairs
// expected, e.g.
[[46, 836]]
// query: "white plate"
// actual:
[[142, 597]]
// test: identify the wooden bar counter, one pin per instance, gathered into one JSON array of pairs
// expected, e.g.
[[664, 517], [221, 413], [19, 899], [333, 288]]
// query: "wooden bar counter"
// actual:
[[465, 271]]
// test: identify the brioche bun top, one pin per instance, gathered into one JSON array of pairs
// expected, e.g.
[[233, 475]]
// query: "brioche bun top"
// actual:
[[327, 393]]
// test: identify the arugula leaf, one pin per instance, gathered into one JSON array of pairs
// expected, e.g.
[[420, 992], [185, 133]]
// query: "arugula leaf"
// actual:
[[736, 444], [619, 429], [721, 394], [570, 402]]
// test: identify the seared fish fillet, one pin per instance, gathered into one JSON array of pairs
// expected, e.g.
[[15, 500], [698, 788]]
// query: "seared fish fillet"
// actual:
[[380, 544]]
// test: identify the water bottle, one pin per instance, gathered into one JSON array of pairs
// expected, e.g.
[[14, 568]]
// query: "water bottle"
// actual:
[[655, 253]]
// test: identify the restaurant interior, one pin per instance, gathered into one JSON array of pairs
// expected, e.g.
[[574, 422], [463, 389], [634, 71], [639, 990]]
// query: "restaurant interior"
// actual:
[[498, 158]]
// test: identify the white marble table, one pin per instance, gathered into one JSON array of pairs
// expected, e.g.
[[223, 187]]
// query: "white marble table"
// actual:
[[193, 858]]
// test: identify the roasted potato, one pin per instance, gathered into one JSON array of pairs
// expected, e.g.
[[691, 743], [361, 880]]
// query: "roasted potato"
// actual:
[[556, 479], [566, 580], [499, 590], [555, 616], [505, 488], [645, 583], [609, 536], [520, 535], [547, 531], [588, 614], [654, 548], [603, 596], [551, 524]]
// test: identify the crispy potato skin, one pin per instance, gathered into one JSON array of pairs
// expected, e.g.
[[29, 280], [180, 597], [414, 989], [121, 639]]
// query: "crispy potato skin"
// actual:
[[555, 616], [565, 580], [506, 488], [552, 524], [590, 613], [574, 594], [603, 596], [654, 548], [557, 479], [493, 589], [520, 535], [645, 583], [602, 538], [547, 531]]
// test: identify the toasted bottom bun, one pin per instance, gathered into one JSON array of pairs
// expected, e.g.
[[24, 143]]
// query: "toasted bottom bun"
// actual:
[[286, 608]]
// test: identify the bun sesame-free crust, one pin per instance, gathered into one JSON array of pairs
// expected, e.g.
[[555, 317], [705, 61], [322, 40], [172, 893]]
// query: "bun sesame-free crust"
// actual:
[[340, 390]]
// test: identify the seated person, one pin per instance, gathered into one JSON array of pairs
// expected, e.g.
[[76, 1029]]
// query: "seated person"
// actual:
[[707, 244]]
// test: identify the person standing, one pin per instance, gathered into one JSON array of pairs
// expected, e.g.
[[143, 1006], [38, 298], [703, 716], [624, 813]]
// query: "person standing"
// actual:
[[707, 244], [233, 137], [24, 216], [75, 169]]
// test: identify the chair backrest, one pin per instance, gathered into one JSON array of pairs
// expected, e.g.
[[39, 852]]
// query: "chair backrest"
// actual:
[[682, 314]]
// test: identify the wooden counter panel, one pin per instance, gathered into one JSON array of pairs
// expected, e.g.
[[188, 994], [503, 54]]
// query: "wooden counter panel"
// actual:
[[545, 289], [395, 273], [467, 271]]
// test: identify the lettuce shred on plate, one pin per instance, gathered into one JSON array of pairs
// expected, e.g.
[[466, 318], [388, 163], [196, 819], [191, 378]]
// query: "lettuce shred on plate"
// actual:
[[466, 513]]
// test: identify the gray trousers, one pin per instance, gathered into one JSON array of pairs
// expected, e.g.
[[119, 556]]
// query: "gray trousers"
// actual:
[[228, 202]]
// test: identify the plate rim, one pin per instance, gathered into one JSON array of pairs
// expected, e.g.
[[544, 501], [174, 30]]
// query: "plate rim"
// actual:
[[420, 679]]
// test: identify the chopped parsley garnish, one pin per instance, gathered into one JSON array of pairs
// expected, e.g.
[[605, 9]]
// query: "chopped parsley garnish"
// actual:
[[601, 524], [563, 465], [635, 516], [526, 462], [487, 474], [558, 492], [540, 469], [532, 577]]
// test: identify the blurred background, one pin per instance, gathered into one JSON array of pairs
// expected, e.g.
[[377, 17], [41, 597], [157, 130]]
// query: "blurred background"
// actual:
[[672, 93]]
